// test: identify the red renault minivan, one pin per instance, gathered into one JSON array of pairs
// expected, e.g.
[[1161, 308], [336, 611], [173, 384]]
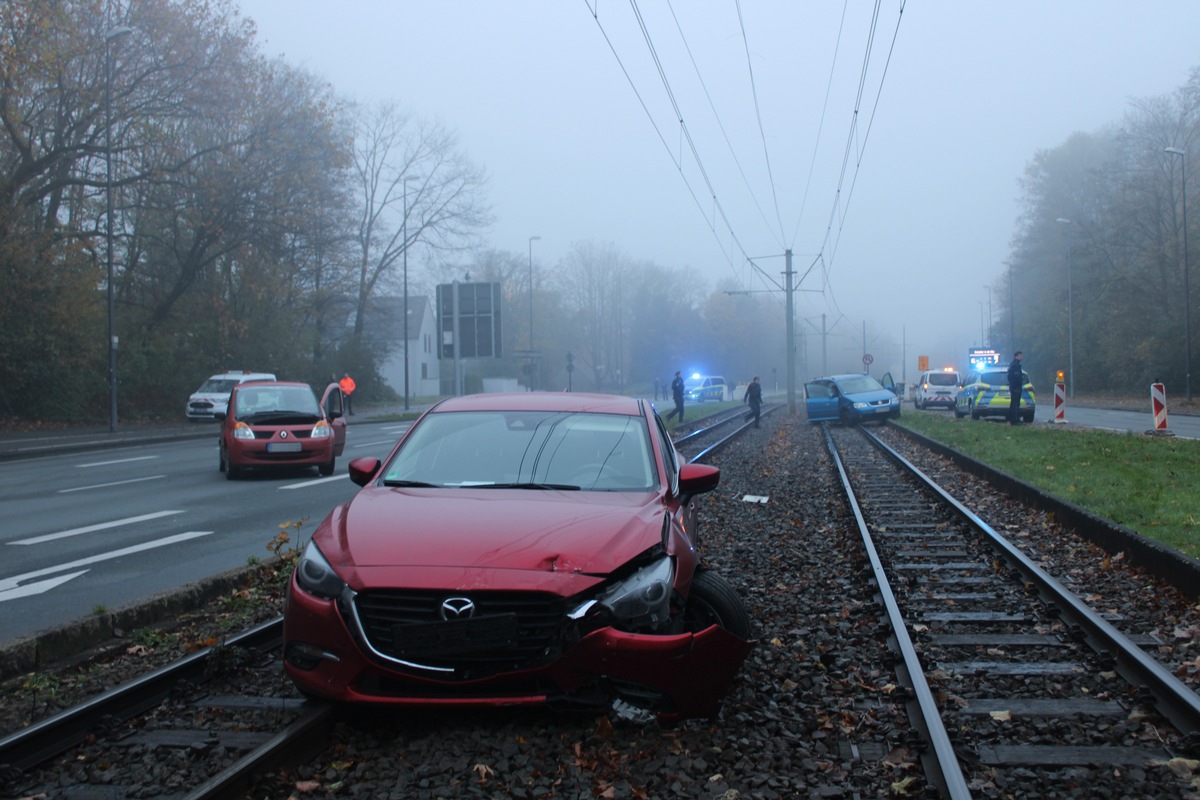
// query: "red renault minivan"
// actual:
[[281, 424]]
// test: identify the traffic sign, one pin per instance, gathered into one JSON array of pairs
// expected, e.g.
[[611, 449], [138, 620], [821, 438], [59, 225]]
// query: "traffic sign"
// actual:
[[867, 359]]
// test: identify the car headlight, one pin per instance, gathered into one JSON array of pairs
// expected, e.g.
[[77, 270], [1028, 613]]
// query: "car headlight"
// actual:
[[315, 576], [644, 598], [861, 405], [322, 430], [242, 431]]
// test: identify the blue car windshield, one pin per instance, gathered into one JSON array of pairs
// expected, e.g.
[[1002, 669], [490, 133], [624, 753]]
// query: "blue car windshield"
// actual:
[[527, 449], [859, 384]]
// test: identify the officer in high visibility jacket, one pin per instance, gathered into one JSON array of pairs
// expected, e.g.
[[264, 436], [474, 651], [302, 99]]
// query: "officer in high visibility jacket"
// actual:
[[347, 384]]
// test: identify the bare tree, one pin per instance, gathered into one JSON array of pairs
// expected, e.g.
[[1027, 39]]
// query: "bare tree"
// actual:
[[412, 186]]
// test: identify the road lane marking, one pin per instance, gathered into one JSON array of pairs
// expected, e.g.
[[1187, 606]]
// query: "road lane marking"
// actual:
[[38, 587], [8, 584], [315, 482], [50, 537], [114, 483], [117, 461]]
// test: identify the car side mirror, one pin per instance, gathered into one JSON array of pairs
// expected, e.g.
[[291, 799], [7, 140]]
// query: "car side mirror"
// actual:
[[697, 479], [362, 470]]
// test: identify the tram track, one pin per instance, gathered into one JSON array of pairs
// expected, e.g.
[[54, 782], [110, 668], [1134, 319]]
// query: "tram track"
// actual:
[[231, 728], [1006, 669]]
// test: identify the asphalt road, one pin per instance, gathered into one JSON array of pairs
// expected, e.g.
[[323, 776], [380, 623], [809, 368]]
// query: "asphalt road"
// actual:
[[99, 520]]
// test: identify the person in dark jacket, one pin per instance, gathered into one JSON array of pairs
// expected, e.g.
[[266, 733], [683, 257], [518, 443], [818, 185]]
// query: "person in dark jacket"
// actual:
[[1016, 385], [753, 396], [677, 394]]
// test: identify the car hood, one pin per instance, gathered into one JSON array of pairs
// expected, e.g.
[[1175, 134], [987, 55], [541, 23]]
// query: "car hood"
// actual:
[[445, 531]]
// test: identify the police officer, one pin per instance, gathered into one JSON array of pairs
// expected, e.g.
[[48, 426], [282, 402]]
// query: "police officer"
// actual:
[[1016, 385]]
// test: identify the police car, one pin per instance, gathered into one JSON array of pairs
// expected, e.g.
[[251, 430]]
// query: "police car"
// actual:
[[985, 394]]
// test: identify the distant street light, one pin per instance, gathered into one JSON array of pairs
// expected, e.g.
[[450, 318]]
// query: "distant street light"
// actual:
[[1070, 321], [109, 36], [407, 178], [1187, 296], [532, 362]]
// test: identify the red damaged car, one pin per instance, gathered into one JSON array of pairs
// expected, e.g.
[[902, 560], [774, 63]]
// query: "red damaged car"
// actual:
[[531, 548]]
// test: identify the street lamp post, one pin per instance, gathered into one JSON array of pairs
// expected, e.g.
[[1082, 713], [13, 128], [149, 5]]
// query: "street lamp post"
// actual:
[[1070, 321], [407, 178], [113, 33], [1187, 296], [532, 362]]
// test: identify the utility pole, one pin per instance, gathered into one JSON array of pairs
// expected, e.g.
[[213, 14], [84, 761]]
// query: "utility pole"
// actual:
[[791, 335]]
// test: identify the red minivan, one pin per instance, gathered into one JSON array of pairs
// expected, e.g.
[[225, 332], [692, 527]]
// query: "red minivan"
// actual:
[[281, 424]]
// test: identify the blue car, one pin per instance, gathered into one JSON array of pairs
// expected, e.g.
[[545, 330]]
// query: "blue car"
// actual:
[[851, 399]]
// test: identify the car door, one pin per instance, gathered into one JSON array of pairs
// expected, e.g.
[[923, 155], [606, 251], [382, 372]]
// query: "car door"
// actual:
[[821, 400], [334, 404]]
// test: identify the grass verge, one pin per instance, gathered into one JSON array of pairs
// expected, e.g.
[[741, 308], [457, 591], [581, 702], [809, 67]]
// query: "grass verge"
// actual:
[[1146, 483]]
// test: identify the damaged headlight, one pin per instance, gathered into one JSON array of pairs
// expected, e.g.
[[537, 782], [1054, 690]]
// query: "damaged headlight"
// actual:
[[641, 600]]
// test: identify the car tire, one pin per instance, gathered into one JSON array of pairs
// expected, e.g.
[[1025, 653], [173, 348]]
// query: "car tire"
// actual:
[[974, 414], [846, 418], [1027, 418], [957, 412], [327, 469], [712, 601]]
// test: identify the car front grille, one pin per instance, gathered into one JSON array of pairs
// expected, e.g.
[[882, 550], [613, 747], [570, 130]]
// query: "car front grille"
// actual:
[[537, 621], [299, 433]]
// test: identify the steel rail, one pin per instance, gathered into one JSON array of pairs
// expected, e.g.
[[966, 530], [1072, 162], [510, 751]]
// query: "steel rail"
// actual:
[[944, 768], [303, 738], [57, 734], [1174, 699]]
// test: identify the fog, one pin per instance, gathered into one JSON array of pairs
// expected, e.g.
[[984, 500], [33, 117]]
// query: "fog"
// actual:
[[885, 151]]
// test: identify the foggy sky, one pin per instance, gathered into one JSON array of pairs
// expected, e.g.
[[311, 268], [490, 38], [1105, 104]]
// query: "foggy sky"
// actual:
[[906, 207]]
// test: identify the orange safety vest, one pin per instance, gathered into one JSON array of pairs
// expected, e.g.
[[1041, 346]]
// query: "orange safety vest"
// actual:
[[347, 384]]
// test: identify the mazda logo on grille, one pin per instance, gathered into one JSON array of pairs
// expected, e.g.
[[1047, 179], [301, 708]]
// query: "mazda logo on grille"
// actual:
[[457, 608]]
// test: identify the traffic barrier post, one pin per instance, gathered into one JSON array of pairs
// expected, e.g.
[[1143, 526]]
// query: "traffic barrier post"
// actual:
[[1158, 404], [1060, 402]]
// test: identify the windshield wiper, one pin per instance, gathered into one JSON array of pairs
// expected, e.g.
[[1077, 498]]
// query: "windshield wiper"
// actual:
[[411, 484], [543, 486]]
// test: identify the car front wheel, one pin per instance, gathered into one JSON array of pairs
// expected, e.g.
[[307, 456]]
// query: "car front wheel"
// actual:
[[327, 469], [713, 601]]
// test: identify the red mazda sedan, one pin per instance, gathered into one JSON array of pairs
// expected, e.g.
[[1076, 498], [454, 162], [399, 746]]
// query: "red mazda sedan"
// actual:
[[281, 424], [519, 549]]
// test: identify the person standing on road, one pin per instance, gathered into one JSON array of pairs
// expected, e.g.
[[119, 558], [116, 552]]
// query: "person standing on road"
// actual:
[[753, 396], [348, 387], [677, 394], [1016, 384]]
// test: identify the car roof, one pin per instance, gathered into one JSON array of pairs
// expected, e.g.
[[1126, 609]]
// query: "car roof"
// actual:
[[845, 376], [543, 401]]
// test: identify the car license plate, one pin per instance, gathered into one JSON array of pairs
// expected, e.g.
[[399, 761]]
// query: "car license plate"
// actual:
[[455, 637], [283, 447]]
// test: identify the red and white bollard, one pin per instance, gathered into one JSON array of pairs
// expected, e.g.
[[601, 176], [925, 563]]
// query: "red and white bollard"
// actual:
[[1060, 402], [1158, 403]]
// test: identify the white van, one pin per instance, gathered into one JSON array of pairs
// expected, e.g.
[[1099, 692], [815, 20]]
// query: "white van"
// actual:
[[213, 394], [937, 387]]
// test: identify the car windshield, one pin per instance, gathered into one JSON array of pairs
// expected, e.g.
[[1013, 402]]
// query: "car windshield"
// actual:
[[276, 404], [217, 386], [526, 450], [943, 379], [859, 384]]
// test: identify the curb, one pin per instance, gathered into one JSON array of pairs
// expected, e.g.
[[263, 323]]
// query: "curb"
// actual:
[[33, 651]]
